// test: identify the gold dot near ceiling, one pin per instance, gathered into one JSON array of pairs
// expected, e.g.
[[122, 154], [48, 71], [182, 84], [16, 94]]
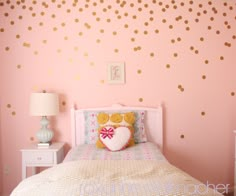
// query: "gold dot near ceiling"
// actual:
[[8, 105], [167, 66], [102, 81], [132, 39], [63, 103], [232, 93], [203, 113], [31, 138], [203, 77], [13, 113], [221, 58], [116, 50], [18, 66], [175, 54]]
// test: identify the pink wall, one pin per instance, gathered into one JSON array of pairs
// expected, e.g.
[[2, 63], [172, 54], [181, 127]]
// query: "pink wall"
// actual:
[[179, 53], [0, 149]]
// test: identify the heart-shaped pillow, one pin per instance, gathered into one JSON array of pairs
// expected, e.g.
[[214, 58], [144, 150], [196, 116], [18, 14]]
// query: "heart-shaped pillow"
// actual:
[[115, 139]]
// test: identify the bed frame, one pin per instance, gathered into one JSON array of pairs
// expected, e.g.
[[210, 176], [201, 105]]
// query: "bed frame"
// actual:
[[153, 122]]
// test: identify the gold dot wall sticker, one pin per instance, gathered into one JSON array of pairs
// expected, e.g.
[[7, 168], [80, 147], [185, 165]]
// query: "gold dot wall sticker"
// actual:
[[151, 14], [167, 66], [181, 88], [139, 71], [31, 138], [232, 94], [27, 45], [140, 99]]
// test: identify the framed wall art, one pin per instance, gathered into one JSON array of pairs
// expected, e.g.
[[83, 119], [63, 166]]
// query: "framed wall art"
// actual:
[[116, 72]]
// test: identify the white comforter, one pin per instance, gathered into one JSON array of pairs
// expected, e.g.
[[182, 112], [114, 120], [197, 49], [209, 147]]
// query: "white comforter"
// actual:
[[112, 178]]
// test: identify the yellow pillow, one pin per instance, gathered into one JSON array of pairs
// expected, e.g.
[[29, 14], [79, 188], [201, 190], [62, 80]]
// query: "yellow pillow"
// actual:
[[116, 120]]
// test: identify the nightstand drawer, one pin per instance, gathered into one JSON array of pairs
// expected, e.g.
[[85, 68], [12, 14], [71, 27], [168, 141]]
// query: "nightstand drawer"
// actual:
[[38, 157]]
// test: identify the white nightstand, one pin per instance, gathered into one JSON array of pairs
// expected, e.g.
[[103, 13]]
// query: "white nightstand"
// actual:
[[32, 156]]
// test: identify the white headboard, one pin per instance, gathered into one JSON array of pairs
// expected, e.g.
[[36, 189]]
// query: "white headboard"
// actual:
[[153, 122]]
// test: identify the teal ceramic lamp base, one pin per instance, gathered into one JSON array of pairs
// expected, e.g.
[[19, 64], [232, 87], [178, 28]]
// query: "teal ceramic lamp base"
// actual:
[[44, 135]]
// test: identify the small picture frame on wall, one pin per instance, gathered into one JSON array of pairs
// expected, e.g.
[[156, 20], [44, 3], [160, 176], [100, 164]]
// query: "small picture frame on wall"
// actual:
[[116, 72]]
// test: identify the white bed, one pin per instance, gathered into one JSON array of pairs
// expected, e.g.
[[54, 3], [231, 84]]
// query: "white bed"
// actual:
[[138, 170]]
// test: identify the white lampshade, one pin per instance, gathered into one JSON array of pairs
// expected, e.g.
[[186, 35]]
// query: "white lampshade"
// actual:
[[44, 104]]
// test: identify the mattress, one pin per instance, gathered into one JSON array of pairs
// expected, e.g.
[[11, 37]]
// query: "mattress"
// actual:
[[141, 151], [113, 178]]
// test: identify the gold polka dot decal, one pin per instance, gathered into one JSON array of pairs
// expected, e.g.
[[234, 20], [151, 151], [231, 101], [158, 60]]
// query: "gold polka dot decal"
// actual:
[[182, 136], [8, 105], [232, 94], [102, 81], [26, 44], [175, 54], [18, 66], [168, 66], [63, 103], [181, 88], [227, 44], [13, 113], [137, 48], [152, 54], [87, 25], [203, 77], [203, 113], [31, 138], [140, 99], [221, 58], [77, 77], [139, 71]]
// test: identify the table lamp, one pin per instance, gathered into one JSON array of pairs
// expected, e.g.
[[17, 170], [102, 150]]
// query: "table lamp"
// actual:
[[44, 104]]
